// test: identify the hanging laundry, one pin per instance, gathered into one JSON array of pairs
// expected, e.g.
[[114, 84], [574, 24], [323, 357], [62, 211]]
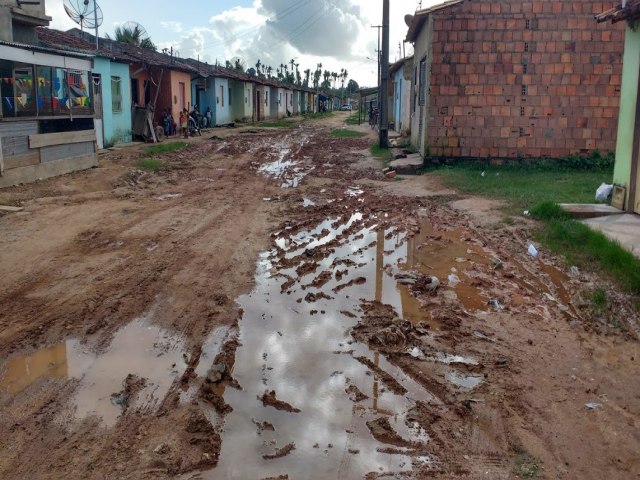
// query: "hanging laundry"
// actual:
[[7, 101]]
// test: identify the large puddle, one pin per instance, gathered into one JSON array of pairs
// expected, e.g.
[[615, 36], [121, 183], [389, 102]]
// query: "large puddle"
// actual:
[[152, 357], [295, 342], [334, 408], [285, 160]]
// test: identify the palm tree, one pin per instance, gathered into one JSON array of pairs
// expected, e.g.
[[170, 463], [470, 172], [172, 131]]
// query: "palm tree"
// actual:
[[259, 67], [307, 75], [133, 35], [269, 70], [334, 75]]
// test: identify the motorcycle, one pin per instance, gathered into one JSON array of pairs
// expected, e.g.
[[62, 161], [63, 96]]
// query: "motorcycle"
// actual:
[[194, 129]]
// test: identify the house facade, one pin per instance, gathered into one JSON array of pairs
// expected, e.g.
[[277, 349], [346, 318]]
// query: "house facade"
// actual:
[[626, 172], [46, 110], [514, 79], [110, 83], [400, 109]]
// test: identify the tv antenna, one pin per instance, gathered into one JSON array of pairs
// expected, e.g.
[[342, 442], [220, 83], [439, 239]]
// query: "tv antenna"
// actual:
[[86, 13]]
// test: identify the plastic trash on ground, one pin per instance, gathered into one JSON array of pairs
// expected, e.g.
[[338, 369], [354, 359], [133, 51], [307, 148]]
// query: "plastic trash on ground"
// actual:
[[453, 280], [603, 192], [532, 250], [593, 405]]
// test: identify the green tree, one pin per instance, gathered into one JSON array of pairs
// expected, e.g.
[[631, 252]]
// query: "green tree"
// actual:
[[133, 35]]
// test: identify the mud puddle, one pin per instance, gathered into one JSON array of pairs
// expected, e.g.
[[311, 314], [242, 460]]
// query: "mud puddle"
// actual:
[[296, 346], [133, 374], [286, 161]]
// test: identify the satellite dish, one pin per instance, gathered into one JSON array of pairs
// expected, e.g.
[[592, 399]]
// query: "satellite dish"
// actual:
[[135, 27], [408, 19], [86, 13]]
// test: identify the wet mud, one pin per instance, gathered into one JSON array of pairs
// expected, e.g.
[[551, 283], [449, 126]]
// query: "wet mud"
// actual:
[[261, 313]]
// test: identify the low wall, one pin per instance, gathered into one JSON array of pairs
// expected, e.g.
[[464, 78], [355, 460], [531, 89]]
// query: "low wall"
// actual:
[[27, 155]]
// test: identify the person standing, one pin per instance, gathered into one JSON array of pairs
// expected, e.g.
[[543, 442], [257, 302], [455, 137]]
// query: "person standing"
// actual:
[[208, 114], [184, 123]]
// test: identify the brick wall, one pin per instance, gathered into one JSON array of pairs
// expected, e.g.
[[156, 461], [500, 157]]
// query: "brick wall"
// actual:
[[514, 79]]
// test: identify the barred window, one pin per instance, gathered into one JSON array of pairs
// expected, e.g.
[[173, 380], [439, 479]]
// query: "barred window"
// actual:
[[116, 94]]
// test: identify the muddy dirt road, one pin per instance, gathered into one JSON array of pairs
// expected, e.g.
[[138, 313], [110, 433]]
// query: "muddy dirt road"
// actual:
[[269, 306]]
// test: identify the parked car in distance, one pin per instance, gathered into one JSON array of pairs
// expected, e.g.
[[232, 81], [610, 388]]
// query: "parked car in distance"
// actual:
[[345, 108]]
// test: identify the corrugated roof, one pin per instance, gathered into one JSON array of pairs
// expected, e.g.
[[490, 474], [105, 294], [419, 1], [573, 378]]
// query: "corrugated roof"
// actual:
[[421, 15], [44, 49], [630, 12]]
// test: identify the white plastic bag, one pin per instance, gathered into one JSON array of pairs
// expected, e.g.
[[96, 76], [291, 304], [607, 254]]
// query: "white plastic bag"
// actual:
[[532, 250], [603, 193]]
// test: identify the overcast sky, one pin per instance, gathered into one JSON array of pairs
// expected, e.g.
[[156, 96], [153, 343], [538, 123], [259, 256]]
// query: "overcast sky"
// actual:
[[336, 33]]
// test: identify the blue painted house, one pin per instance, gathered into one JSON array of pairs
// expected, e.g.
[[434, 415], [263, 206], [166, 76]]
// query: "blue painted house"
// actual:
[[400, 109], [110, 81]]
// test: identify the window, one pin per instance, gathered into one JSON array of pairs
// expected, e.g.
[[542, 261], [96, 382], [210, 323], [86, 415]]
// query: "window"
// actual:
[[423, 81], [280, 99], [116, 94], [222, 95], [266, 98], [229, 96], [24, 91], [36, 90]]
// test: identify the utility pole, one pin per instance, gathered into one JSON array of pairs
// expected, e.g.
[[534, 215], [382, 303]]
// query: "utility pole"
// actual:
[[384, 78]]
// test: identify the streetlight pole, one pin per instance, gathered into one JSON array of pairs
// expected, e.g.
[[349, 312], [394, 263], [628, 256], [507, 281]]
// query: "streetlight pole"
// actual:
[[384, 78]]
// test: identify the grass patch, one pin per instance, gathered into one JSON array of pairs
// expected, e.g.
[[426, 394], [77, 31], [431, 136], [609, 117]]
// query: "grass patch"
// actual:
[[150, 164], [346, 133], [585, 247], [276, 124], [599, 299], [523, 187], [383, 154], [163, 148], [525, 466], [318, 115], [353, 119]]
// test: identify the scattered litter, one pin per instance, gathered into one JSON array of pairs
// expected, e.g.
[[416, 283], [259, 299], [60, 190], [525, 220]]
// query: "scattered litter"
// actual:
[[10, 208], [168, 196], [593, 405], [532, 250], [497, 263], [526, 213], [433, 283], [502, 362], [495, 304], [603, 192], [161, 449], [453, 280], [307, 202], [482, 174], [574, 271], [266, 199]]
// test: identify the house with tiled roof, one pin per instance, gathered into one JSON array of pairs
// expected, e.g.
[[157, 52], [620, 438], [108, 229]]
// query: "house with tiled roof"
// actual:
[[110, 79], [46, 104]]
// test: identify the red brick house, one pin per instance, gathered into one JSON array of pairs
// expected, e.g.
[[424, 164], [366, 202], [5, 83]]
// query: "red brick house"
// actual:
[[514, 78]]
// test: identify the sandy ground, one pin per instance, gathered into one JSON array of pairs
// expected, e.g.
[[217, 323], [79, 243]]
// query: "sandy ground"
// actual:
[[264, 307]]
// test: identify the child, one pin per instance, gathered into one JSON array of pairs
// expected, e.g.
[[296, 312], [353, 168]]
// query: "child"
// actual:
[[184, 118]]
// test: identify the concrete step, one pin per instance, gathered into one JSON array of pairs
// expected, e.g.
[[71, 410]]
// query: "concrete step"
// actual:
[[589, 210], [408, 166]]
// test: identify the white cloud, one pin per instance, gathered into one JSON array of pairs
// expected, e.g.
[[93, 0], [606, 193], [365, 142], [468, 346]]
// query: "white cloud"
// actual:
[[336, 33], [175, 27]]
